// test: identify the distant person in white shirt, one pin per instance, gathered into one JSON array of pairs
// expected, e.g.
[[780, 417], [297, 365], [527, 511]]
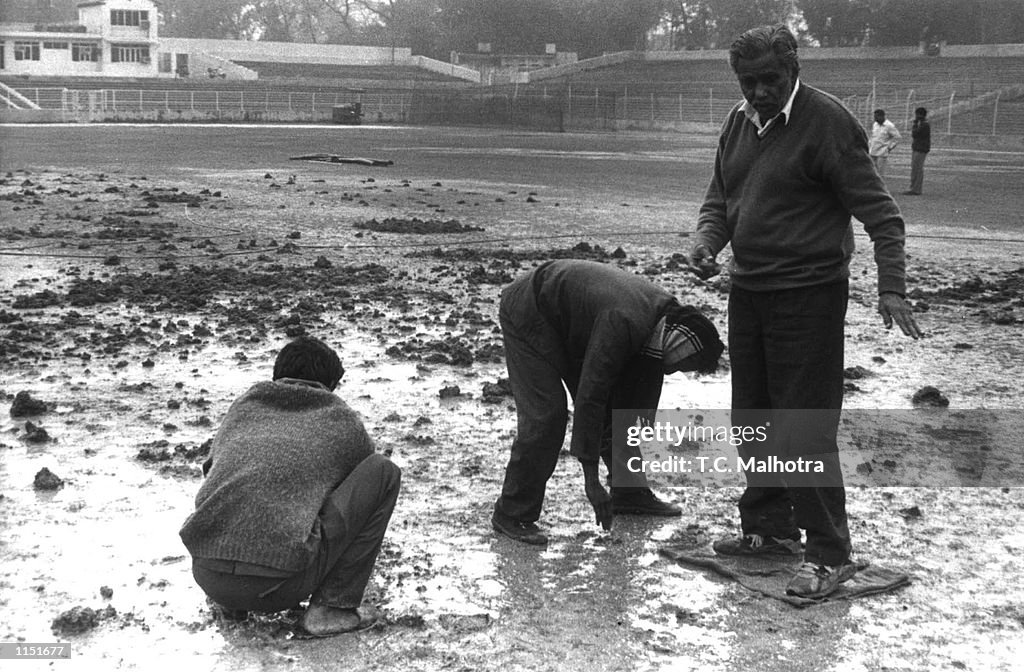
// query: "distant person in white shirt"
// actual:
[[884, 138]]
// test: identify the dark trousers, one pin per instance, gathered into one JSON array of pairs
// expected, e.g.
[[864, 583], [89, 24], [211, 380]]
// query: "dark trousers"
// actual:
[[786, 352], [917, 171], [351, 526], [539, 373]]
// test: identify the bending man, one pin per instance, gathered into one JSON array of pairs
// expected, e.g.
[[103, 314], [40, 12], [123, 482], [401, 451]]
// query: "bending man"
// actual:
[[609, 337]]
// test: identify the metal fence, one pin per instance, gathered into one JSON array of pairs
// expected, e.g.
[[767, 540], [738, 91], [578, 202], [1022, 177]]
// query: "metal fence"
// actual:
[[1000, 112]]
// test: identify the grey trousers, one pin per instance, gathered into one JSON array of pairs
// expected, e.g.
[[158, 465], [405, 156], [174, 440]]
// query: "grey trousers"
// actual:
[[917, 171]]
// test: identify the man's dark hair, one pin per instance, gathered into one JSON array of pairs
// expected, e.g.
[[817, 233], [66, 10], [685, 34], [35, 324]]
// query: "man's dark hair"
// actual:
[[921, 111], [308, 358], [764, 40], [880, 111]]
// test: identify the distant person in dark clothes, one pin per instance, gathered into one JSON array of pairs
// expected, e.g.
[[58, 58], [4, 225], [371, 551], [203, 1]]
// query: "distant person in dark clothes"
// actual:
[[921, 144], [609, 337], [295, 502], [791, 169]]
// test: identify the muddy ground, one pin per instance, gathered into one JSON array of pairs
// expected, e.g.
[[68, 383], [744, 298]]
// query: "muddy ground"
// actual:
[[143, 287]]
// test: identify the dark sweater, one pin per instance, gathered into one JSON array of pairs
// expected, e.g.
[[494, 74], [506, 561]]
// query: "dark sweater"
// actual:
[[603, 317], [921, 132], [784, 201], [282, 448]]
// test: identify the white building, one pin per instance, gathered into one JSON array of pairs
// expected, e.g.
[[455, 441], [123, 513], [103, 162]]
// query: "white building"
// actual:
[[113, 38]]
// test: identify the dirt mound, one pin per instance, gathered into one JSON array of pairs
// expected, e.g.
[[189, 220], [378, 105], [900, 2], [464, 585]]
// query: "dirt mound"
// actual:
[[582, 250], [416, 226], [1006, 289], [449, 350]]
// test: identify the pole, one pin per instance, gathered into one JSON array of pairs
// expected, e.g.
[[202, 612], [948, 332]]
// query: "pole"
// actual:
[[949, 114], [995, 111]]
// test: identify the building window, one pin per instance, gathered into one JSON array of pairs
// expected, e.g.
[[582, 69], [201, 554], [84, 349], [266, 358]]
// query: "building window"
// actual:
[[165, 62], [26, 51], [129, 17], [55, 45], [84, 51], [129, 53]]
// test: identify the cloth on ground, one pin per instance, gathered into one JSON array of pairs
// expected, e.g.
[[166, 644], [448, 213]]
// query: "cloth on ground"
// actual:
[[769, 575]]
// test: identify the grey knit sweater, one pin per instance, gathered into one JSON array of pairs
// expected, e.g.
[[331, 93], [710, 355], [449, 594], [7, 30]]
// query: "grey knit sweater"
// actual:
[[282, 448]]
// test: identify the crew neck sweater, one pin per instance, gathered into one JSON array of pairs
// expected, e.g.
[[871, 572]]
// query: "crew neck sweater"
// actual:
[[281, 449], [784, 201]]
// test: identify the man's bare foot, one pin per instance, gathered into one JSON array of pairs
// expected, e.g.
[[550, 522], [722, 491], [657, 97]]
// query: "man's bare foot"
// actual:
[[321, 620]]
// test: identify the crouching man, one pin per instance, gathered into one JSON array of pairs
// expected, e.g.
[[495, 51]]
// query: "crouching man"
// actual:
[[609, 337], [295, 502]]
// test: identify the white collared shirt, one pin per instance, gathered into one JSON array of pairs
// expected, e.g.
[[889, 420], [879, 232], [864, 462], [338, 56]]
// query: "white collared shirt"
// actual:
[[755, 118]]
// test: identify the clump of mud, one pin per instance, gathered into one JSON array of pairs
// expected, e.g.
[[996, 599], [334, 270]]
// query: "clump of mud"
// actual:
[[77, 620], [416, 226], [448, 350], [47, 480], [930, 396], [582, 250], [36, 434], [26, 405], [496, 392], [995, 299]]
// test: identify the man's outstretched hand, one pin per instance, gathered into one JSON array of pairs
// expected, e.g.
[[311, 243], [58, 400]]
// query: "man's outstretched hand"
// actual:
[[598, 496], [894, 308]]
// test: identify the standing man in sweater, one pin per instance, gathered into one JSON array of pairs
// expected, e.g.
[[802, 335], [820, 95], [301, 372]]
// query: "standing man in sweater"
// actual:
[[609, 337], [792, 167], [295, 502]]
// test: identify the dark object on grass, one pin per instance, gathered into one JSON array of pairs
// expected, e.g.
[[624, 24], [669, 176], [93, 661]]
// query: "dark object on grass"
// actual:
[[25, 404], [35, 434], [75, 621], [449, 391], [930, 396], [494, 393], [416, 225], [855, 372], [47, 480], [911, 512]]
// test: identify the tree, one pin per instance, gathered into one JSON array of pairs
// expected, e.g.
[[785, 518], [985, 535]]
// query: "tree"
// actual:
[[225, 19], [840, 23], [837, 23], [714, 24]]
